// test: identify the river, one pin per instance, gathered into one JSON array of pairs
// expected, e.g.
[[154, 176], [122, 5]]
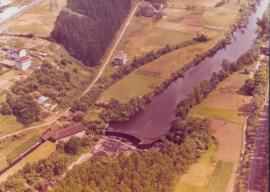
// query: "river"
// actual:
[[154, 120]]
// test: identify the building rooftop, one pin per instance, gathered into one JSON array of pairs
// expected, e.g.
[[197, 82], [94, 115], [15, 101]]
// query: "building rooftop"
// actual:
[[66, 132]]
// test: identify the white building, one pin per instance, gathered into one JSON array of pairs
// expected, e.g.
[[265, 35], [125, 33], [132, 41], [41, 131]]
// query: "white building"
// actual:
[[47, 103], [120, 58], [42, 99], [23, 63]]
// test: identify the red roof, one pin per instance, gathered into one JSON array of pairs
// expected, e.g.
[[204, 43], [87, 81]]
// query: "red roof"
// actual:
[[24, 58], [66, 132]]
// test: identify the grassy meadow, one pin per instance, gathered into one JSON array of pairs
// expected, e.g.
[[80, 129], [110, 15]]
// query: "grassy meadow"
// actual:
[[9, 124]]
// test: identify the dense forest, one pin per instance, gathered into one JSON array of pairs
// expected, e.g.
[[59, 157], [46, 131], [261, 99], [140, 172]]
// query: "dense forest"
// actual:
[[86, 27]]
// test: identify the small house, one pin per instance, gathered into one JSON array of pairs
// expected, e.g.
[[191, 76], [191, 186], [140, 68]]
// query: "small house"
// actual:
[[15, 53], [147, 9], [23, 63], [47, 103], [120, 58], [66, 132]]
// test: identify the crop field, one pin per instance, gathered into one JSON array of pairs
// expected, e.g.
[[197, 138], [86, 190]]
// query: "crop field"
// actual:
[[197, 177], [10, 145], [178, 24], [222, 107], [220, 177], [216, 105], [38, 20], [22, 148], [218, 174]]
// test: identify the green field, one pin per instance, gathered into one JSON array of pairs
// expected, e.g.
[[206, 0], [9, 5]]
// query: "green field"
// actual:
[[216, 175], [218, 113], [161, 37], [9, 124], [224, 102], [131, 86], [12, 143], [220, 177], [197, 177], [218, 18], [22, 148]]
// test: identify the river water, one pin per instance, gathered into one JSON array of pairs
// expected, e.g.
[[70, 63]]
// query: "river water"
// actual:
[[154, 120]]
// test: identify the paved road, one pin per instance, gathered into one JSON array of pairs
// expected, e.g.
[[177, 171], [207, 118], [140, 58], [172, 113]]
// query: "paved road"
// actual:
[[258, 179], [57, 116]]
